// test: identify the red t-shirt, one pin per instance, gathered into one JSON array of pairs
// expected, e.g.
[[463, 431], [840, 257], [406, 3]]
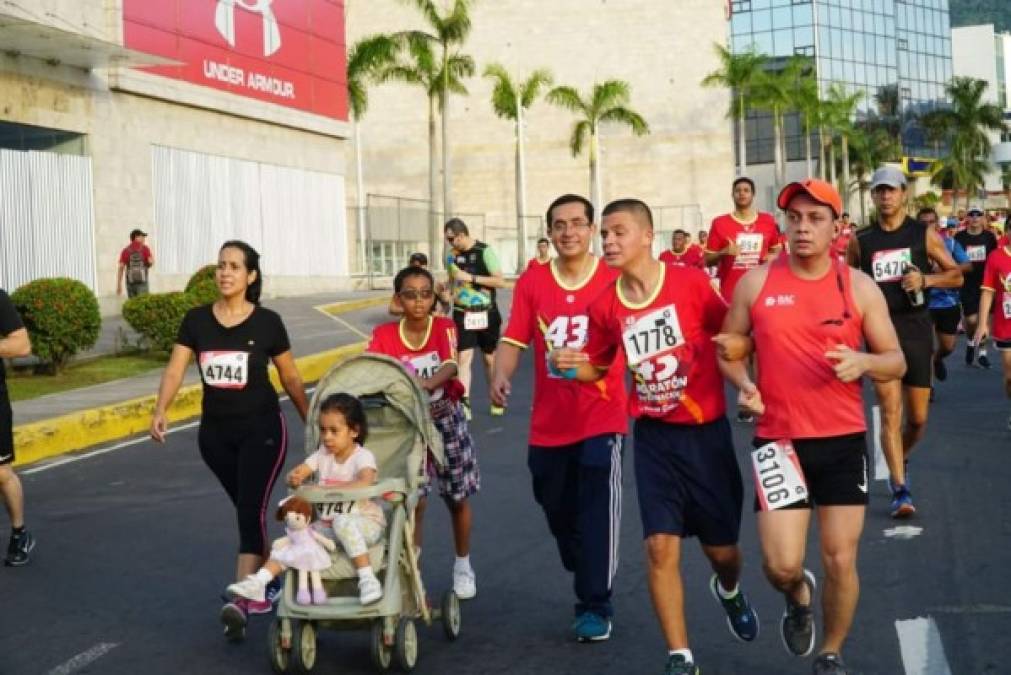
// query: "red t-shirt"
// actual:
[[842, 243], [693, 256], [543, 311], [534, 262], [753, 242], [667, 344], [424, 360], [997, 278], [794, 322], [124, 256]]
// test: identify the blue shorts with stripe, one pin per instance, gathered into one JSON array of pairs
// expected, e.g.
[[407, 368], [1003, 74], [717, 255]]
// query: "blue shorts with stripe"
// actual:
[[688, 480]]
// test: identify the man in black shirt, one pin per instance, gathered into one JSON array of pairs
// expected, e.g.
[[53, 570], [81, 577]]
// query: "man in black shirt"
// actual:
[[978, 242], [900, 254], [14, 343]]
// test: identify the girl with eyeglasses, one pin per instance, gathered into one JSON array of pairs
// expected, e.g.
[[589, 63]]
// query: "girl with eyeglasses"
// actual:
[[426, 346]]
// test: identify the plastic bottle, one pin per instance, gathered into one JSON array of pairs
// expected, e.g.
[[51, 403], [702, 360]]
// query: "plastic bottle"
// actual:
[[915, 297]]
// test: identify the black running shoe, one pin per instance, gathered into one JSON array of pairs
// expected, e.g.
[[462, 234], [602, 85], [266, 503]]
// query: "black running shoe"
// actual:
[[984, 361], [745, 418], [677, 665], [940, 370], [797, 627], [970, 355], [829, 663], [18, 549]]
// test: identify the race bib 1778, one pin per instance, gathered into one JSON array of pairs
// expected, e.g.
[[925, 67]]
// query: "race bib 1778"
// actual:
[[779, 480], [651, 334], [889, 265], [225, 369]]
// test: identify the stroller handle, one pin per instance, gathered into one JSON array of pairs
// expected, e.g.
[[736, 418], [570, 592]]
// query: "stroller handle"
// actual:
[[316, 494]]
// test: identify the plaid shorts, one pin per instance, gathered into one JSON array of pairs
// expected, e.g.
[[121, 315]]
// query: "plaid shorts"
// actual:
[[459, 478]]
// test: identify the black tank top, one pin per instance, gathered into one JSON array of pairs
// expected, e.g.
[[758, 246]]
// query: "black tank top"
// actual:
[[884, 254]]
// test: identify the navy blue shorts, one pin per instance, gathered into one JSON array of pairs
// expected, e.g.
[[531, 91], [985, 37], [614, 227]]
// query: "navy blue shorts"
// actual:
[[688, 481]]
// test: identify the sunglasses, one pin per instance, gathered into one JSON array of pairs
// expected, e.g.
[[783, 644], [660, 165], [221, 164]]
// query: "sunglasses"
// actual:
[[412, 294]]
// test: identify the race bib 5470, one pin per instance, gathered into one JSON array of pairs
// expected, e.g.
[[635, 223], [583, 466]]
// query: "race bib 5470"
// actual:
[[888, 265], [225, 369]]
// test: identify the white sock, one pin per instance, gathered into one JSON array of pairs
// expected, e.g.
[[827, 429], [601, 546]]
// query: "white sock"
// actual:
[[366, 572], [462, 564], [687, 653], [726, 595], [264, 576]]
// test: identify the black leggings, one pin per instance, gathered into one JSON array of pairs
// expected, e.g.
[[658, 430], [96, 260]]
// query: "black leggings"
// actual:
[[246, 454]]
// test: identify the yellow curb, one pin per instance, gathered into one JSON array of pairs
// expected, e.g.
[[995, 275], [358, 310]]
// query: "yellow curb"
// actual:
[[85, 428], [353, 305]]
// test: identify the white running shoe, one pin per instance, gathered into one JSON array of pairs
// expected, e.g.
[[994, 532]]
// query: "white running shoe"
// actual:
[[249, 588], [464, 583], [369, 590]]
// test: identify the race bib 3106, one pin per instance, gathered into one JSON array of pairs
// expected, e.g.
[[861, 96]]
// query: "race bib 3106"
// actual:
[[225, 369], [779, 480]]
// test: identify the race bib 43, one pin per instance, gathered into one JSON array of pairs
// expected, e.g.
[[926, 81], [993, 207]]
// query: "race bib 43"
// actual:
[[225, 369]]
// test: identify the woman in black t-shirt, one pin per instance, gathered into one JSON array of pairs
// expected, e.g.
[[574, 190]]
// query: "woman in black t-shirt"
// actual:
[[242, 434]]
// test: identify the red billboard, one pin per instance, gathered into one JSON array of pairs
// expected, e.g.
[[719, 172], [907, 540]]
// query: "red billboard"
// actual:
[[288, 52]]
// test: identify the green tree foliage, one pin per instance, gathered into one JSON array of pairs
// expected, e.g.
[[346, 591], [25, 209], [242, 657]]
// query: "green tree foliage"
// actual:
[[61, 316], [157, 317], [975, 12]]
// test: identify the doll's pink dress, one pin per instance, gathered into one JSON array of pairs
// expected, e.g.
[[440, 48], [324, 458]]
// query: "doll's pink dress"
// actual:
[[303, 552]]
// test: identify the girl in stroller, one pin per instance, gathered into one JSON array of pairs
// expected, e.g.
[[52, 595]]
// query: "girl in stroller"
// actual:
[[340, 461]]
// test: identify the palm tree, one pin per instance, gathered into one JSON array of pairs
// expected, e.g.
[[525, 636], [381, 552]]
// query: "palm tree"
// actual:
[[843, 107], [738, 73], [423, 69], [774, 91], [871, 145], [449, 30], [367, 61], [608, 102], [807, 101], [960, 169], [510, 100]]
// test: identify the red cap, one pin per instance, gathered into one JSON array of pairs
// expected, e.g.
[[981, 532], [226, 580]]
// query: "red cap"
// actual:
[[818, 190]]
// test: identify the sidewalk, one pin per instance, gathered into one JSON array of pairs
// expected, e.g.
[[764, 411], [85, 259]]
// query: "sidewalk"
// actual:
[[71, 420]]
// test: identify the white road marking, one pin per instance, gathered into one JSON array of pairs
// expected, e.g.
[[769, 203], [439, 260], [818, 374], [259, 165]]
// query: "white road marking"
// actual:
[[921, 647], [84, 659], [903, 532], [342, 322], [125, 444], [880, 465]]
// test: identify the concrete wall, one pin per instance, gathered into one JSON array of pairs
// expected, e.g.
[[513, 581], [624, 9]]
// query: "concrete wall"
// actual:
[[121, 128], [662, 48]]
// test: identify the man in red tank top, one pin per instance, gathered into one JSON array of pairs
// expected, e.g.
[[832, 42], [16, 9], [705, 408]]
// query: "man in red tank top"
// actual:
[[682, 251], [808, 314]]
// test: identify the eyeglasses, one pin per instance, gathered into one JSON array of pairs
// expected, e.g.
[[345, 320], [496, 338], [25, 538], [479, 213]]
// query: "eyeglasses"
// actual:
[[412, 294], [560, 227]]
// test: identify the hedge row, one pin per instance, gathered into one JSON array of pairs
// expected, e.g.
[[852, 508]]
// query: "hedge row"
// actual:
[[61, 316], [157, 316]]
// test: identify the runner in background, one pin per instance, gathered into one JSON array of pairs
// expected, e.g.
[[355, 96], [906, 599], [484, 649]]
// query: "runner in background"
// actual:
[[543, 256], [682, 252], [809, 315], [842, 241], [978, 242], [898, 253], [576, 429], [996, 295], [443, 296], [943, 302], [662, 320], [14, 343], [476, 274]]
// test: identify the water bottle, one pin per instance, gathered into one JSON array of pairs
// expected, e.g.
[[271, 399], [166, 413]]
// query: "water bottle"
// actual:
[[915, 297]]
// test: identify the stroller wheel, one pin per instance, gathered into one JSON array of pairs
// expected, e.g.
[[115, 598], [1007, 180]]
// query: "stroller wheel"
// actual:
[[303, 646], [276, 651], [451, 618], [382, 654], [405, 649]]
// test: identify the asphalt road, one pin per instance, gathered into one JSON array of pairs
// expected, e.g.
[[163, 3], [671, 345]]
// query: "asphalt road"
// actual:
[[136, 544]]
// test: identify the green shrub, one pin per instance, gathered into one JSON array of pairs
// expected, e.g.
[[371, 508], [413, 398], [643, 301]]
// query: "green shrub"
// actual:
[[61, 316], [203, 292], [205, 273], [157, 316]]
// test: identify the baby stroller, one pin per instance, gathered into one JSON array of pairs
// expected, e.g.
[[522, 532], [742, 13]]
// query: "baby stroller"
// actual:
[[401, 433]]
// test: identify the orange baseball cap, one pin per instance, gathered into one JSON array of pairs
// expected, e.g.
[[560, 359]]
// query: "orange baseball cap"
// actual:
[[818, 190]]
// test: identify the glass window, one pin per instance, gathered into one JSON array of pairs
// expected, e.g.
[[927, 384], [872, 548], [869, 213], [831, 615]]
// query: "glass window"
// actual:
[[760, 4], [740, 23], [845, 19], [803, 37], [782, 41], [761, 20], [802, 15], [869, 53], [763, 42], [889, 26], [835, 16], [847, 46], [825, 45], [782, 17]]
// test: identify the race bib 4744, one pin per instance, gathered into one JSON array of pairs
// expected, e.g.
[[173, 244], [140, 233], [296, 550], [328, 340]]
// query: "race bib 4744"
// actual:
[[225, 369]]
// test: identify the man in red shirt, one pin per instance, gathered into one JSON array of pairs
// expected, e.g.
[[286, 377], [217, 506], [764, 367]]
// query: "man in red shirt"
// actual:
[[543, 256], [996, 294], [682, 252], [808, 315], [576, 429], [135, 261], [662, 320], [741, 240], [842, 241]]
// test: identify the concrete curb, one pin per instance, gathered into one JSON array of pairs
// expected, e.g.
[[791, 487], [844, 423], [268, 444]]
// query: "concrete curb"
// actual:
[[353, 305], [76, 431]]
